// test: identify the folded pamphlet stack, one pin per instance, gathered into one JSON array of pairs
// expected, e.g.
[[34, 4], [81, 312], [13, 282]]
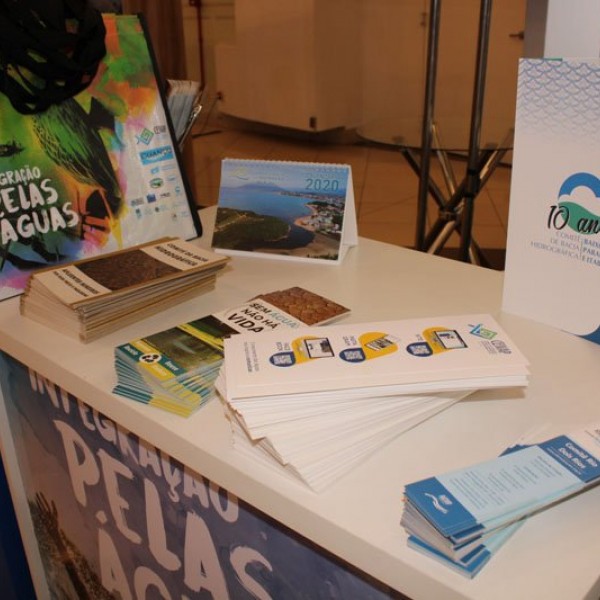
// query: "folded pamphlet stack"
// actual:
[[317, 401], [95, 296], [463, 517], [184, 101]]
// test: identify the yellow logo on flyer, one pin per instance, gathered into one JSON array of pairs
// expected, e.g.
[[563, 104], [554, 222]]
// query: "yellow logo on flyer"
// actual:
[[310, 348], [372, 344], [376, 344], [442, 339]]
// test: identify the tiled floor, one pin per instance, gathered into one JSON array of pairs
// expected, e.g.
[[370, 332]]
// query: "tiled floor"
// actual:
[[385, 187]]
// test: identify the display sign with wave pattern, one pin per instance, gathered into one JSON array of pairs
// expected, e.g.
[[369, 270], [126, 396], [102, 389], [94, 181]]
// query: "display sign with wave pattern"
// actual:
[[553, 248]]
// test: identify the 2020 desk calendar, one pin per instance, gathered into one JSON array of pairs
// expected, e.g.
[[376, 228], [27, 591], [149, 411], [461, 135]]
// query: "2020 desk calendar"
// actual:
[[286, 210]]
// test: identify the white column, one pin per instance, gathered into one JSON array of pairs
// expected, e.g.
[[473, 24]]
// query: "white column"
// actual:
[[572, 29]]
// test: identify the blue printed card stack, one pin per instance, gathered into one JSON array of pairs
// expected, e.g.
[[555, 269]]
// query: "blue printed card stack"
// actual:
[[464, 516]]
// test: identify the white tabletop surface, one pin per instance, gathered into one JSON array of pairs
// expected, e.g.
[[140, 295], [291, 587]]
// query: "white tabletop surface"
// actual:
[[554, 555]]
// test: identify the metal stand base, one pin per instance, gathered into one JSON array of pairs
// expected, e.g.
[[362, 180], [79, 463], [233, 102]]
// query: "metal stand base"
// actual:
[[455, 213]]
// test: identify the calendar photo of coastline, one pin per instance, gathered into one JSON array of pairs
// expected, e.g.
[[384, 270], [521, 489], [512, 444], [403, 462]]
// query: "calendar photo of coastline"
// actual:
[[283, 209]]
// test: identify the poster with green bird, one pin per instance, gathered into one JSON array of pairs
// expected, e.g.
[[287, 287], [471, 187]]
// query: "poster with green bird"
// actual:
[[96, 173]]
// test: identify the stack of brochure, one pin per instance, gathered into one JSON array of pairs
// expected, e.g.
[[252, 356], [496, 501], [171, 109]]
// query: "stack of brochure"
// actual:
[[184, 101], [463, 517], [175, 369], [315, 402], [318, 443], [94, 296]]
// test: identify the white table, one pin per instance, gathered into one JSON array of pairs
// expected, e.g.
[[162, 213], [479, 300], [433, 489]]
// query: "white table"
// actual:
[[555, 555]]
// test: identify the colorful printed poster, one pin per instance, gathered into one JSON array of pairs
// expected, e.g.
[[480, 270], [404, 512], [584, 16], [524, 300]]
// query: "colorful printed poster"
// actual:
[[284, 209], [116, 518], [553, 249], [96, 173]]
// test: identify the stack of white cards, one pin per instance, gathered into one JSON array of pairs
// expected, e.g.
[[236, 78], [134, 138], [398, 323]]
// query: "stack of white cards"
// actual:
[[315, 402]]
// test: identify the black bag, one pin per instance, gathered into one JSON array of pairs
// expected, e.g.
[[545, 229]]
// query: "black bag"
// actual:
[[49, 50]]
